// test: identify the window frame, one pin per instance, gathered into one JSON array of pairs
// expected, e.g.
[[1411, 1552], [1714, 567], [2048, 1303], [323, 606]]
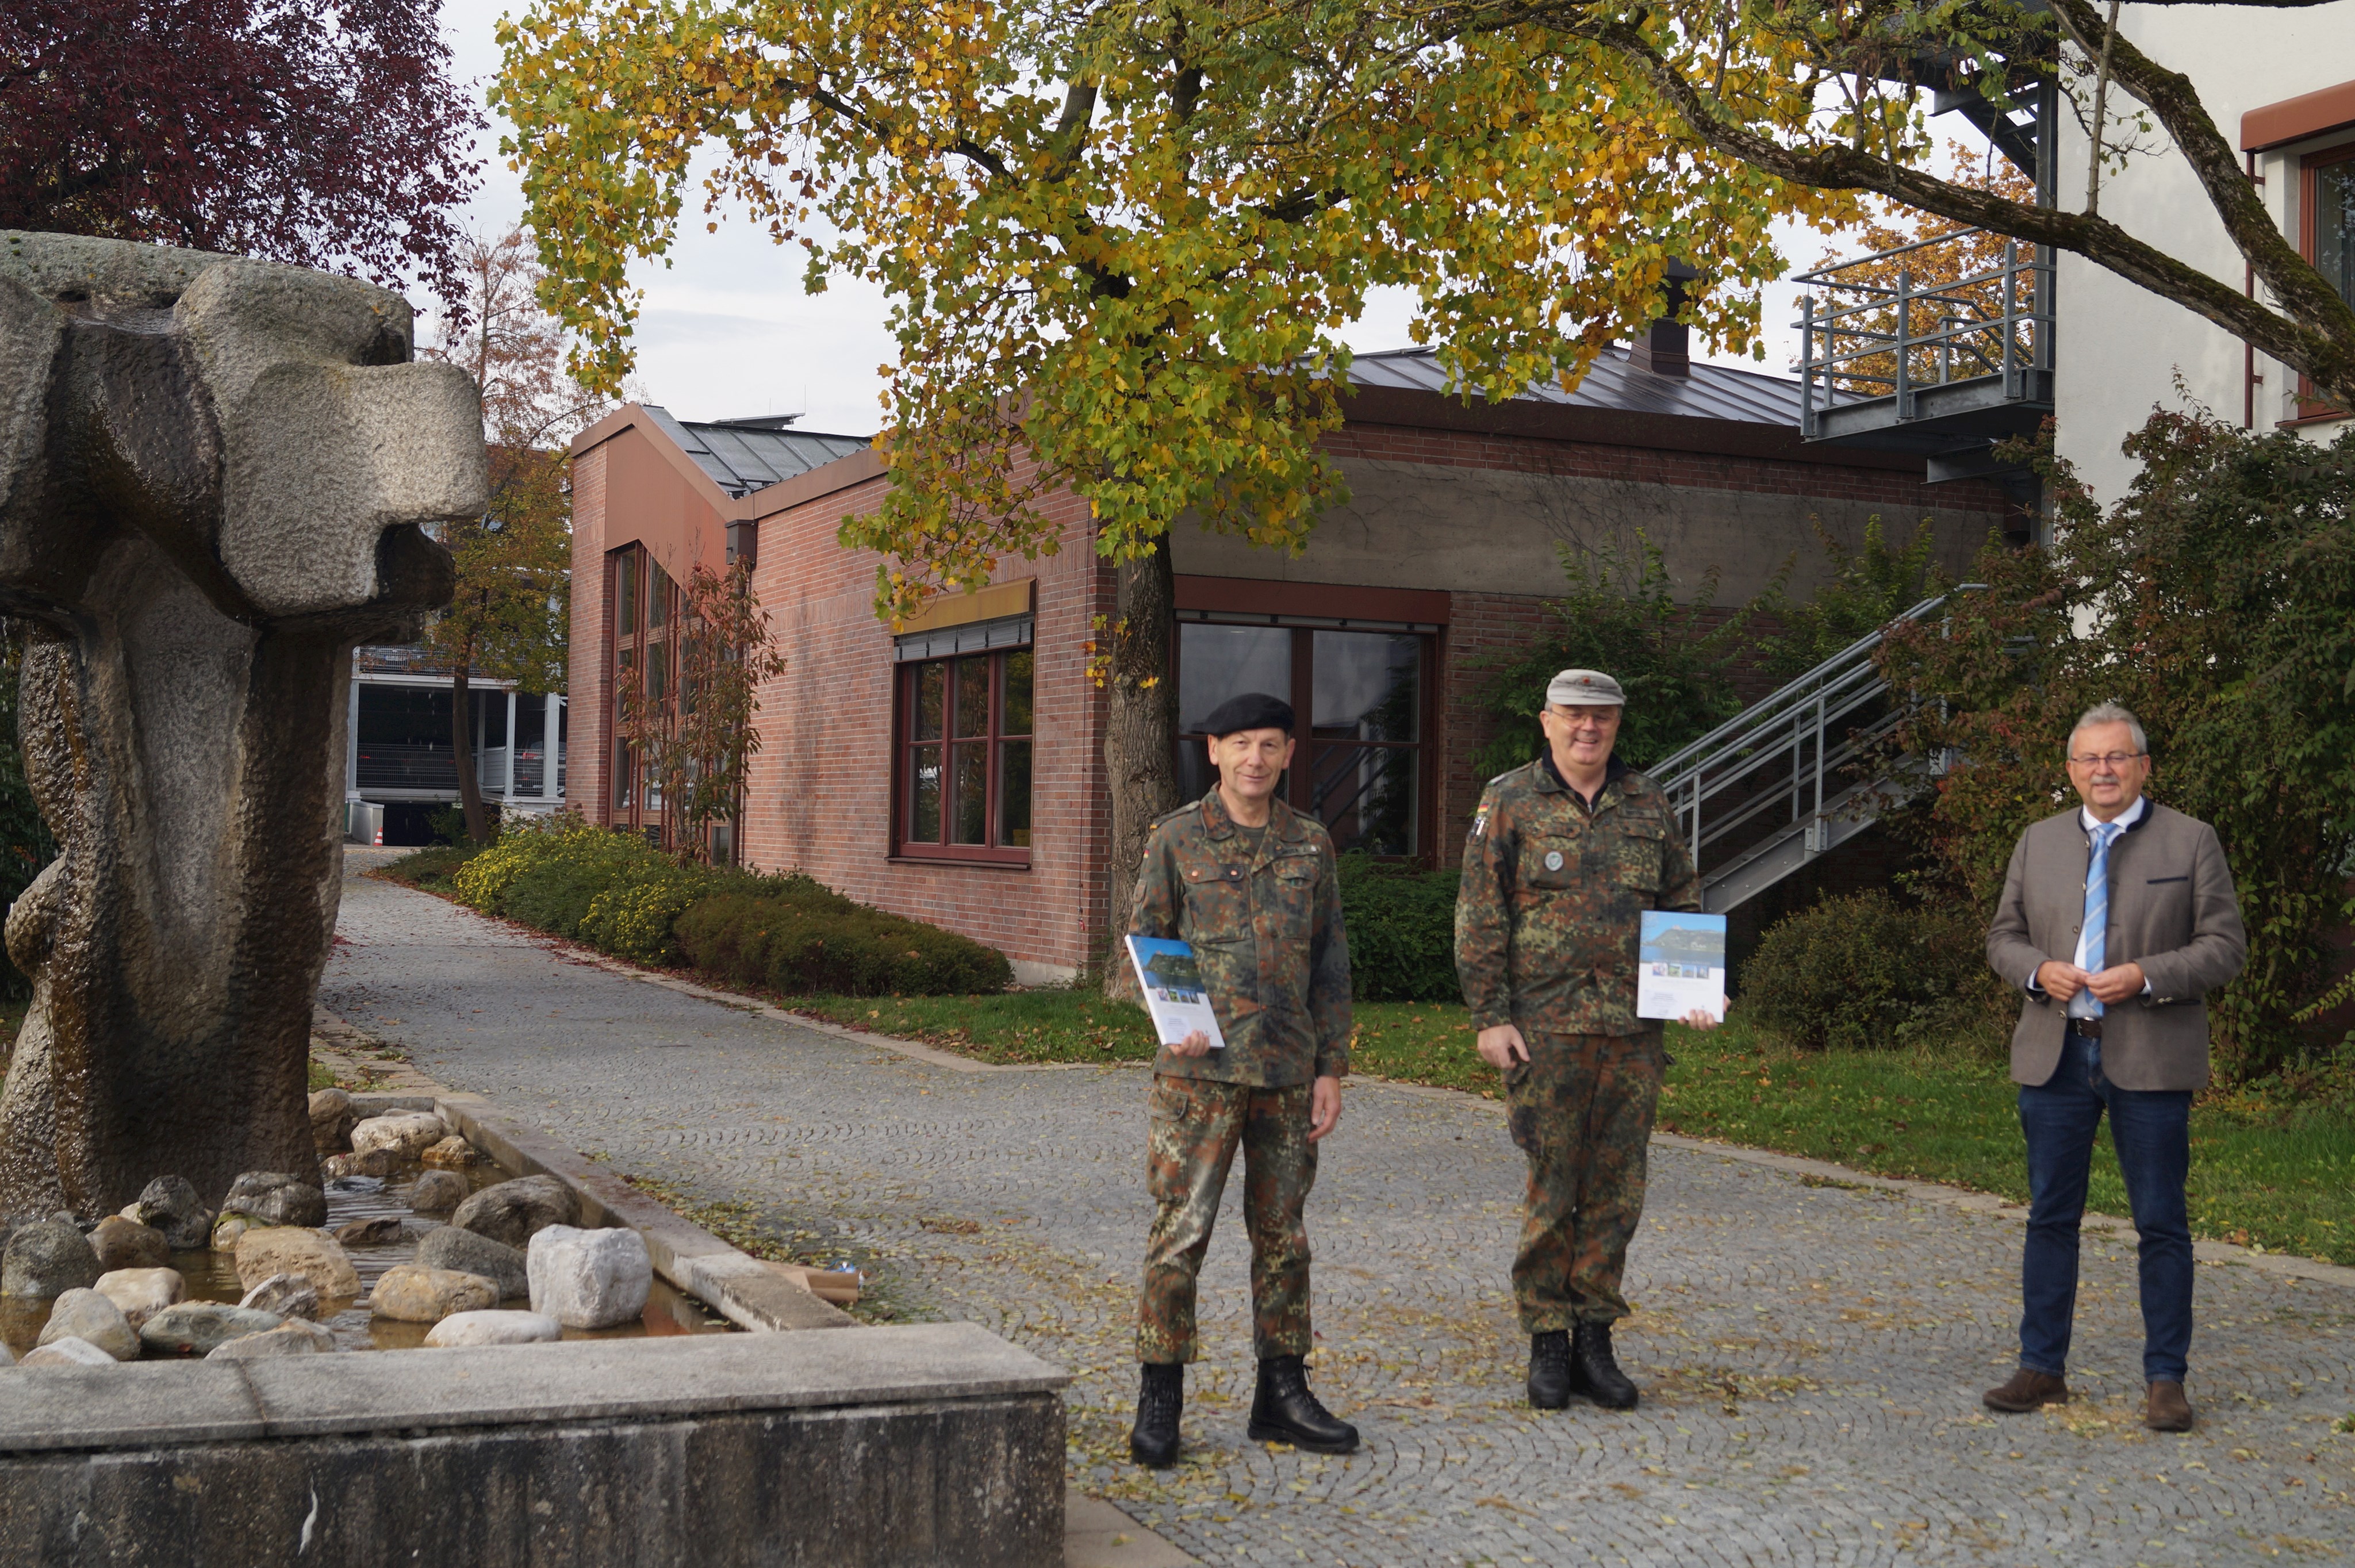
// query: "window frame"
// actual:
[[1408, 612], [2312, 410], [905, 674]]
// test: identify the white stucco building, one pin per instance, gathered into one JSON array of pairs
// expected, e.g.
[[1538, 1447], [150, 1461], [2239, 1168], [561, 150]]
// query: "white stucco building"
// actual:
[[2280, 84]]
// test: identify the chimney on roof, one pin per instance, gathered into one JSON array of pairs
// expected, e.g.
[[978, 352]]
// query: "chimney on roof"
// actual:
[[1666, 347]]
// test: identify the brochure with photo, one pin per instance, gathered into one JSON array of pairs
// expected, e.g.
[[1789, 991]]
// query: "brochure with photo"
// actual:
[[1681, 966], [1173, 989]]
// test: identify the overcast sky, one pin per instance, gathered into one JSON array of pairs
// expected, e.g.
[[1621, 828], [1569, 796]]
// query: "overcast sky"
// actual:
[[726, 330]]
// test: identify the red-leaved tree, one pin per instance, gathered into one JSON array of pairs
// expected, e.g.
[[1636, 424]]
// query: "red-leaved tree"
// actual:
[[323, 132]]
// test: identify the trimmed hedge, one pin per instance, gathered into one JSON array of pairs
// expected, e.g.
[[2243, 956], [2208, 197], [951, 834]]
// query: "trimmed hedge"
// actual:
[[1866, 973], [793, 936], [619, 894], [1401, 926]]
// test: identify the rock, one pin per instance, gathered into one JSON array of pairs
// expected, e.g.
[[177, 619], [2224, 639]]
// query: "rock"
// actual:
[[89, 1316], [331, 1120], [437, 1192], [404, 1133], [46, 1259], [141, 1293], [67, 1352], [295, 1249], [285, 1294], [590, 1279], [198, 1327], [380, 1232], [126, 1244], [446, 1246], [494, 1329], [453, 1152], [274, 1198], [170, 1205], [410, 1294], [294, 1337], [513, 1211], [229, 1230], [376, 1162]]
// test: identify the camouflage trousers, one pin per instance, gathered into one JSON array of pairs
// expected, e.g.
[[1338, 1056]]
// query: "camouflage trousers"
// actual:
[[1582, 1110], [1196, 1125]]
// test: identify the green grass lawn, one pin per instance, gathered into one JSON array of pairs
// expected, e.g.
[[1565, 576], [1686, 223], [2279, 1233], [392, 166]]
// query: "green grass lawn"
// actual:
[[2282, 1177]]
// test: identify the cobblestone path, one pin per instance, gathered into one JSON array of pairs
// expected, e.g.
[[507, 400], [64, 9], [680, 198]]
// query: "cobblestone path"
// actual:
[[1811, 1355]]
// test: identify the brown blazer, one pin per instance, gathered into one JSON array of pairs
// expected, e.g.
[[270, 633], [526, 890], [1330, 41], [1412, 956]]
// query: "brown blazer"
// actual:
[[2172, 911]]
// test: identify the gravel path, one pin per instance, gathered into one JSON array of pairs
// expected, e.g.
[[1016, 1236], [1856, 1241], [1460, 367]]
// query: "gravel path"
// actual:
[[1811, 1355]]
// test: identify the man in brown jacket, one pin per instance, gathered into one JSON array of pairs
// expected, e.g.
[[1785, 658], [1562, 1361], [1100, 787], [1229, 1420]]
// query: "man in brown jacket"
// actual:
[[2117, 919]]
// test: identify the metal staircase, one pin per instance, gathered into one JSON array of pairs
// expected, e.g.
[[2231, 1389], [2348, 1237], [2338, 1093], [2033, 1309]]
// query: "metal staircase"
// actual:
[[1771, 788]]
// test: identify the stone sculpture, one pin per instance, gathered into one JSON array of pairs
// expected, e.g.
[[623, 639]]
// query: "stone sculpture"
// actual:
[[214, 478]]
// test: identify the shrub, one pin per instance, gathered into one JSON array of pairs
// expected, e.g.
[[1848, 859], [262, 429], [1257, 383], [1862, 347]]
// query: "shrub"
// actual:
[[792, 936], [1401, 925], [1866, 973], [633, 918], [621, 895]]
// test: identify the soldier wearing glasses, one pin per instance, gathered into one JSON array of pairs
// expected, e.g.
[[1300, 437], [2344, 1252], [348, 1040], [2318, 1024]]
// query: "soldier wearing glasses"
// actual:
[[1564, 856]]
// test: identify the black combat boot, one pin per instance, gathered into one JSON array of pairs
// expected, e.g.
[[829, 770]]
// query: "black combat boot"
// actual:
[[1594, 1372], [1160, 1399], [1550, 1369], [1283, 1411]]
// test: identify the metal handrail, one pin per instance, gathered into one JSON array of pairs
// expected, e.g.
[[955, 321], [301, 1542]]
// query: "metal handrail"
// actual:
[[1860, 337], [1805, 722]]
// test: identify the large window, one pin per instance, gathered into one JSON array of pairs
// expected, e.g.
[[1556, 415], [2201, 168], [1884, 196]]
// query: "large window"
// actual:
[[2328, 197], [964, 776], [643, 598], [1360, 764]]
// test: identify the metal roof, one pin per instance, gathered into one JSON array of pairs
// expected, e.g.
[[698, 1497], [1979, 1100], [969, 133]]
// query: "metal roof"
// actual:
[[745, 455], [1614, 382]]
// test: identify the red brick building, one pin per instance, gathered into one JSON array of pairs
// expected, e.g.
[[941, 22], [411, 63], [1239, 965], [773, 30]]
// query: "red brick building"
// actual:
[[952, 769]]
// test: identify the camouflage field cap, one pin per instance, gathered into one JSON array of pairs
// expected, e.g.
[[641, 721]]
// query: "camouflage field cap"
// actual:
[[1586, 688]]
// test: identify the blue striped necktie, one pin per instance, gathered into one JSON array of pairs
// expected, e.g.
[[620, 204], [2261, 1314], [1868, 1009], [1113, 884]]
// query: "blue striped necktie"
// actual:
[[2097, 903]]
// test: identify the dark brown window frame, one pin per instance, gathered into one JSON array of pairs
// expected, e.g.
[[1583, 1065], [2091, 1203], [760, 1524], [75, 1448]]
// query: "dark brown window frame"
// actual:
[[2312, 410], [1306, 609], [905, 673]]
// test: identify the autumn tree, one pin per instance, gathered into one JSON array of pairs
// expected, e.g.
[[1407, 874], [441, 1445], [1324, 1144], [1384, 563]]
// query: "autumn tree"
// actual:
[[687, 705], [321, 133], [1828, 93], [1124, 241], [510, 617]]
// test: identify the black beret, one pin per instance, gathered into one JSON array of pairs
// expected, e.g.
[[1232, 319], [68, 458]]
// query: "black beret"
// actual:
[[1252, 710]]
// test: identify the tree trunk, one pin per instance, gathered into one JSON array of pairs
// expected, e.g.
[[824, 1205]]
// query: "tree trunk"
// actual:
[[461, 752], [1140, 729]]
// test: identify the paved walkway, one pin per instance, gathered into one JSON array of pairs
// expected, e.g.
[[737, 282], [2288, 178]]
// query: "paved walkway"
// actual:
[[1811, 1356]]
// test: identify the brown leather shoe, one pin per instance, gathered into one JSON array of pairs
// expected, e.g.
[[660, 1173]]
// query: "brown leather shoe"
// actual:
[[2166, 1409], [2026, 1390]]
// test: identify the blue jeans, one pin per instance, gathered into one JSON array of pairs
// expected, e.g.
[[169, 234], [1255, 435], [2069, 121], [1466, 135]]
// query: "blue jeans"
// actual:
[[2152, 1131]]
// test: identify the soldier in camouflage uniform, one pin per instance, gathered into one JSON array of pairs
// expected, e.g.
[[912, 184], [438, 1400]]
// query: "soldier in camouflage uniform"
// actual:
[[1253, 887], [1564, 856]]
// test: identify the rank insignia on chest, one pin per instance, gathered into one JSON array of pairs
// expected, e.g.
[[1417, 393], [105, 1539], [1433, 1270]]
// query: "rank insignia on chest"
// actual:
[[1553, 860]]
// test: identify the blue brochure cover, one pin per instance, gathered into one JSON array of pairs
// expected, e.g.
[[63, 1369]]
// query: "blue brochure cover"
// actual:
[[1173, 989], [1681, 966]]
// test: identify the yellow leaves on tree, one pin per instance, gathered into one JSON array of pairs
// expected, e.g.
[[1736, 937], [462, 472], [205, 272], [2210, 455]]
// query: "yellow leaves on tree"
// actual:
[[1121, 239]]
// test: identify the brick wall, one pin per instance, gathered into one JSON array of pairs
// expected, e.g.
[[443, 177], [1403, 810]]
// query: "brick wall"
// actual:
[[587, 750], [819, 798]]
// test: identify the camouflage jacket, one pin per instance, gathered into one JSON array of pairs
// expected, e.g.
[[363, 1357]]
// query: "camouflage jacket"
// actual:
[[1548, 917], [1266, 933]]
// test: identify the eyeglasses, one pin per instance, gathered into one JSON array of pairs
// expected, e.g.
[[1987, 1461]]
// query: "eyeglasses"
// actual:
[[2095, 759]]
